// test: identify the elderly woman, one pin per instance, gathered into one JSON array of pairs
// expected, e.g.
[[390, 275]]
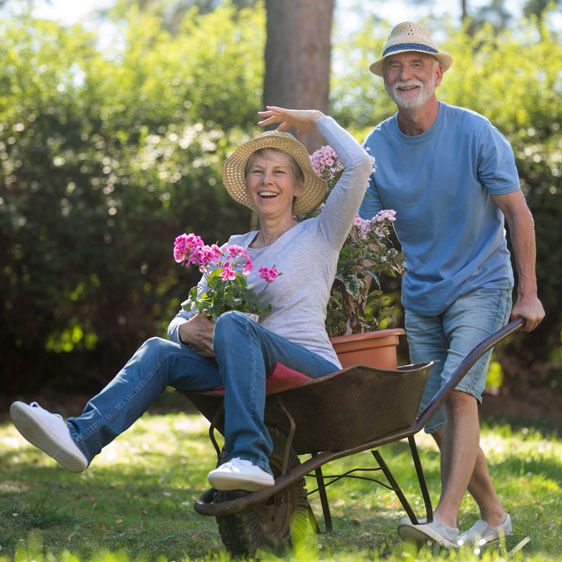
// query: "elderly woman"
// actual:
[[272, 175]]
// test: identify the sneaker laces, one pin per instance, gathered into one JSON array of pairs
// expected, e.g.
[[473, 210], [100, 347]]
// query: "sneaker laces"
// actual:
[[240, 463], [35, 405]]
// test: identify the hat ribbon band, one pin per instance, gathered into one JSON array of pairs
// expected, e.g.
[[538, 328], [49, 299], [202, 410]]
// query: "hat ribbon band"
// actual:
[[409, 47]]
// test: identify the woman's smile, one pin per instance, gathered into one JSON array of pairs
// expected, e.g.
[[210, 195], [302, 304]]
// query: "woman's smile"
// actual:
[[267, 194]]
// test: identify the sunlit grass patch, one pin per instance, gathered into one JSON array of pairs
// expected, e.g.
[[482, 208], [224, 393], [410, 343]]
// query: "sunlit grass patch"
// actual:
[[137, 495], [136, 500]]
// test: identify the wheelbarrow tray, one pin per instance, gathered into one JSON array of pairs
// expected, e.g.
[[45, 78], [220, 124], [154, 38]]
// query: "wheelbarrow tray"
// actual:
[[342, 410]]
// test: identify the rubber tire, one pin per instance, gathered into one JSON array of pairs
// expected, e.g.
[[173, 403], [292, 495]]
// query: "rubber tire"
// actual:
[[272, 525]]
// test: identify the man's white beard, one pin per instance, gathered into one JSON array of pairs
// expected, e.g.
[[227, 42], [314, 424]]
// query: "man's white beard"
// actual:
[[425, 92]]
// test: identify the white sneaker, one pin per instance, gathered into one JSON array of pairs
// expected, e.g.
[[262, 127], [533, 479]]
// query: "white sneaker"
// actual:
[[49, 433], [424, 532], [481, 533], [240, 474]]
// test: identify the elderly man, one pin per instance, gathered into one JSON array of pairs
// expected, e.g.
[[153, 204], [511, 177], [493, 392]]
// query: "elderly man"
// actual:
[[451, 177]]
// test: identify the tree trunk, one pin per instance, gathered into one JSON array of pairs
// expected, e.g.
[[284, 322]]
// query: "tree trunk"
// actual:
[[297, 57]]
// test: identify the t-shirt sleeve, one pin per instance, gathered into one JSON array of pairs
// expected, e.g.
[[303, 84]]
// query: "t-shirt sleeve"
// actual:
[[496, 162], [372, 203]]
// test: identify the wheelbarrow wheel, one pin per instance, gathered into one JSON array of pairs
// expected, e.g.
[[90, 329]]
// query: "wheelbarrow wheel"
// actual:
[[271, 525]]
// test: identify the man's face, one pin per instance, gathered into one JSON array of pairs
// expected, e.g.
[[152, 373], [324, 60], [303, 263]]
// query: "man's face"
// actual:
[[411, 78]]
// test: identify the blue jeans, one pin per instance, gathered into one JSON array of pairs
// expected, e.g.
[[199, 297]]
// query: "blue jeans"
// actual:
[[244, 352], [450, 336]]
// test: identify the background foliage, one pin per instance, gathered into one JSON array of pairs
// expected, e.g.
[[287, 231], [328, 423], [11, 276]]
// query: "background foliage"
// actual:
[[107, 156], [104, 161]]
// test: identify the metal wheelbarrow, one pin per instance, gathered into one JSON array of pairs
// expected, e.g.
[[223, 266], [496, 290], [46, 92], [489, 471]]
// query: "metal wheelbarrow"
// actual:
[[353, 410]]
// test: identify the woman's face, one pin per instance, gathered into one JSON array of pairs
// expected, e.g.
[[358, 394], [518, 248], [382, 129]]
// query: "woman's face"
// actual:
[[271, 184]]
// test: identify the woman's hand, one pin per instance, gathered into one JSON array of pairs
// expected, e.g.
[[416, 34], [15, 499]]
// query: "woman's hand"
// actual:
[[304, 120], [199, 332]]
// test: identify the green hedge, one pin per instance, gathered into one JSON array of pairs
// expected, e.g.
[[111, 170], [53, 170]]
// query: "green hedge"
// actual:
[[106, 157], [104, 160]]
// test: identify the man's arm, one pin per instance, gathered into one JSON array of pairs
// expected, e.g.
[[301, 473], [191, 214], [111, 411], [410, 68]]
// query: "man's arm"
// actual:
[[522, 235]]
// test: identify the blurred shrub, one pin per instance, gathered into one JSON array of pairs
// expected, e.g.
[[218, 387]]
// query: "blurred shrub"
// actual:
[[106, 157], [104, 160]]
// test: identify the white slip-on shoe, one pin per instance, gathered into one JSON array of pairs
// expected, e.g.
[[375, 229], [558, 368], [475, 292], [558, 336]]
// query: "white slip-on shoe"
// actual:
[[481, 533], [240, 474], [406, 521], [424, 532], [49, 433]]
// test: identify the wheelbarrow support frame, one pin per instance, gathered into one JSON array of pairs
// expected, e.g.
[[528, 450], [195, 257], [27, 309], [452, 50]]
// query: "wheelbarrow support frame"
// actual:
[[313, 466]]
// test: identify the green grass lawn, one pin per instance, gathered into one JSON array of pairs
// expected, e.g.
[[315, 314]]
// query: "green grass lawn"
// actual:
[[136, 500]]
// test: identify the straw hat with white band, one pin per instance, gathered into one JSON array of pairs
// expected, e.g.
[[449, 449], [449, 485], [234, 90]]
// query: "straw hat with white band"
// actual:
[[234, 167], [410, 36]]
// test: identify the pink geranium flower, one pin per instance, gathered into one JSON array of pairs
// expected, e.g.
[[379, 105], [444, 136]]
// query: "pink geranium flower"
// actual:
[[269, 274], [325, 163], [385, 214], [225, 272], [185, 244]]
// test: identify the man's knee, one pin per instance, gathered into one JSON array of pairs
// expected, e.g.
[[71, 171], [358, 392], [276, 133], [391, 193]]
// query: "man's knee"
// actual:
[[459, 402]]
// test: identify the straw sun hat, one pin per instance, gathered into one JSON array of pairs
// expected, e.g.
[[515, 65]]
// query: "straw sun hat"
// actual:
[[234, 167], [409, 36]]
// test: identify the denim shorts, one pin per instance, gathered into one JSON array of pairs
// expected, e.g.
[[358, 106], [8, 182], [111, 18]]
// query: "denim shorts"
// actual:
[[450, 336]]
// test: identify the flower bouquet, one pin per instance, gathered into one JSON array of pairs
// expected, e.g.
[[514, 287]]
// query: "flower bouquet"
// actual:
[[225, 277], [367, 253]]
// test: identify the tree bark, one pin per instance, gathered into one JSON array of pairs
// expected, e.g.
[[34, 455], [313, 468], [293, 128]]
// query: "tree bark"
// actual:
[[297, 57]]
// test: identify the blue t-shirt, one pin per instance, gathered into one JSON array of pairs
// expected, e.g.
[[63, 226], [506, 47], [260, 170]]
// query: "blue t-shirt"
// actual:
[[440, 185]]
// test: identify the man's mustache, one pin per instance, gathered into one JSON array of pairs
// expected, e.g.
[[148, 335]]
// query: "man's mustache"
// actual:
[[401, 84]]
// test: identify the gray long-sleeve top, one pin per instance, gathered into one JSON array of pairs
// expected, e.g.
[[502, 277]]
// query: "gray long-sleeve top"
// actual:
[[306, 255]]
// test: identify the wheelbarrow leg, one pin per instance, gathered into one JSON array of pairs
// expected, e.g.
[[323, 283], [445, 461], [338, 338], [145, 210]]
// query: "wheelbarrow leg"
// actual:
[[421, 480], [219, 416], [398, 491], [323, 499]]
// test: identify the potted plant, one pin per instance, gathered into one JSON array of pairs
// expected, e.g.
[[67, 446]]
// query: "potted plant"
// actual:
[[367, 254]]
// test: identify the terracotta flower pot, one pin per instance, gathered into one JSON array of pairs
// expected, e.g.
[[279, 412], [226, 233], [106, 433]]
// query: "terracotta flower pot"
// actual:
[[375, 349]]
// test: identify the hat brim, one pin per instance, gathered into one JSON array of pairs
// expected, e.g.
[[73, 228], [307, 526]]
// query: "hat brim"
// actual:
[[234, 167], [445, 59]]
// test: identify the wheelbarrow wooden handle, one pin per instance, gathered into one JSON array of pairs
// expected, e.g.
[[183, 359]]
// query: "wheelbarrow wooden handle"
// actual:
[[464, 367]]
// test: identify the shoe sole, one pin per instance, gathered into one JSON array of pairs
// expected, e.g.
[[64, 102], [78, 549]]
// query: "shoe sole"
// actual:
[[38, 436], [409, 533], [504, 530], [223, 483], [488, 542]]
